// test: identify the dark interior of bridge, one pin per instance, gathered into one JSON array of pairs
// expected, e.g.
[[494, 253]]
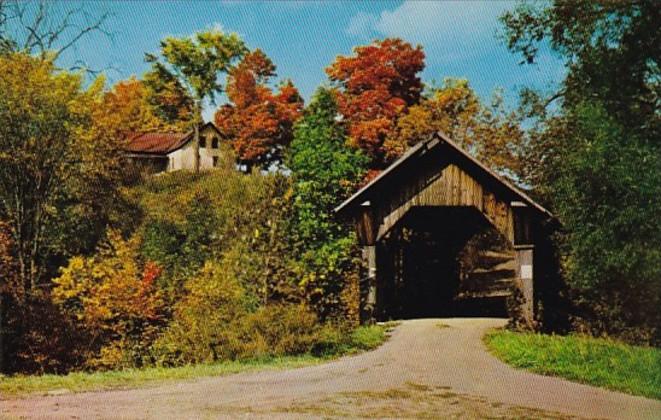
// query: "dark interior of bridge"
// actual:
[[422, 265]]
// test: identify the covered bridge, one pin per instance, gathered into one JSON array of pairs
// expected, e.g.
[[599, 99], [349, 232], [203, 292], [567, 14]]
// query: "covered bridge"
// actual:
[[417, 216]]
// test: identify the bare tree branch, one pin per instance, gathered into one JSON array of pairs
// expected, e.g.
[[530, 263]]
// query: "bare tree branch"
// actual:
[[38, 27], [96, 26]]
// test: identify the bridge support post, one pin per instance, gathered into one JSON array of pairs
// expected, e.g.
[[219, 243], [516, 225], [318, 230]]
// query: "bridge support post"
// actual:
[[524, 274], [369, 256]]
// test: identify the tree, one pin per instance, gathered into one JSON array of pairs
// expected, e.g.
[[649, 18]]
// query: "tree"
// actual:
[[114, 298], [169, 100], [611, 50], [52, 161], [196, 62], [607, 193], [595, 157], [135, 106], [126, 104], [489, 132], [9, 287], [324, 170], [258, 121], [377, 84]]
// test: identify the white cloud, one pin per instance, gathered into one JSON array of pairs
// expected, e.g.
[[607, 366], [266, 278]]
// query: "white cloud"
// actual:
[[447, 29], [362, 24]]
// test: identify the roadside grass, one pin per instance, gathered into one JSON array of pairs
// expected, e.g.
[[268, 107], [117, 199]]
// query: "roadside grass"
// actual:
[[363, 338], [129, 378], [594, 361], [368, 337]]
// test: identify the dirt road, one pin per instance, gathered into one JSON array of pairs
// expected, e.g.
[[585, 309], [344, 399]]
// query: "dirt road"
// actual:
[[428, 369]]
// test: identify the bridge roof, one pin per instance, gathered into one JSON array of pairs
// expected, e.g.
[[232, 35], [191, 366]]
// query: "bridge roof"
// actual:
[[408, 159]]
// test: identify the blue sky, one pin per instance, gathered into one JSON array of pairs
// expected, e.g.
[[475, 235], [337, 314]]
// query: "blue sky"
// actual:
[[303, 37]]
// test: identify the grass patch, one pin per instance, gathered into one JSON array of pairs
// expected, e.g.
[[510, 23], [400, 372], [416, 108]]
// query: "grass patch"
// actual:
[[601, 362], [368, 337], [128, 378], [363, 338]]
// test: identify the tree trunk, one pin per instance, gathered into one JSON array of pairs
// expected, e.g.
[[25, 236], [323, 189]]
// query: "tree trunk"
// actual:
[[2, 334], [197, 147]]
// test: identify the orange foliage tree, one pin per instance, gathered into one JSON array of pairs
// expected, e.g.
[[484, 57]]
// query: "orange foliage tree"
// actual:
[[134, 105], [376, 85], [258, 120]]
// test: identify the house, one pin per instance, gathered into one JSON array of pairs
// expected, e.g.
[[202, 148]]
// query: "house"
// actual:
[[167, 152]]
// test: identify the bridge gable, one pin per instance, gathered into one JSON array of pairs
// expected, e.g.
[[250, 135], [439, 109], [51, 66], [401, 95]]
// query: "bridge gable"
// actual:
[[436, 172]]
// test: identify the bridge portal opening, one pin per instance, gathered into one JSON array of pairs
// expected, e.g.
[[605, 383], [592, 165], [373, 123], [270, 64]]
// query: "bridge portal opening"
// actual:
[[442, 261]]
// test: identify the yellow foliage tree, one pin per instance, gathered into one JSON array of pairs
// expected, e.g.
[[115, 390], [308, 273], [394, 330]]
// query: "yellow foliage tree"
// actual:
[[488, 132], [115, 299]]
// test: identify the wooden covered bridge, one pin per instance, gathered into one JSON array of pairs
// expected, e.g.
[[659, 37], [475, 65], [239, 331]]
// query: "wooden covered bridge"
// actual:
[[415, 218]]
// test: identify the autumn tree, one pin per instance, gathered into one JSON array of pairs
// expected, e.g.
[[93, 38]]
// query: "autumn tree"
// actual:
[[114, 298], [258, 120], [134, 105], [488, 131], [196, 63], [57, 171], [377, 84]]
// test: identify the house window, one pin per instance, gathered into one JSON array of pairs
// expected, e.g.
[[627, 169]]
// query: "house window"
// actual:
[[215, 161], [214, 143], [203, 143]]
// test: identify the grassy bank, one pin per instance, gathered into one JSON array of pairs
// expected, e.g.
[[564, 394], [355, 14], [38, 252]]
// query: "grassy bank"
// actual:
[[363, 338], [600, 362]]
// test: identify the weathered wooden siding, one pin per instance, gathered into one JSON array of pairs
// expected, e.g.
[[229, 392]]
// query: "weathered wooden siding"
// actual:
[[448, 185]]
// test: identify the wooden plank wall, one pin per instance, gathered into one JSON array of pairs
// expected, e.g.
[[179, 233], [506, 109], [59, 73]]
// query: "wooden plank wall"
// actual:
[[451, 187]]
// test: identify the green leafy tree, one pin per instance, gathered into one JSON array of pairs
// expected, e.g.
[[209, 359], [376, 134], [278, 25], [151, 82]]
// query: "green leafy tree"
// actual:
[[325, 170], [169, 100], [608, 195], [611, 51], [196, 63], [595, 157]]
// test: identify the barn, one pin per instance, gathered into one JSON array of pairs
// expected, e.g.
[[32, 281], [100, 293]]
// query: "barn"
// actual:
[[443, 235]]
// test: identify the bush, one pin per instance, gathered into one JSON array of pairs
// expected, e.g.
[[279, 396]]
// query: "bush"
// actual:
[[113, 297], [203, 329], [41, 339], [280, 329], [215, 322]]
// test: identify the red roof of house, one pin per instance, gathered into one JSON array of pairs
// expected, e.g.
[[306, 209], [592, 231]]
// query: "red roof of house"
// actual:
[[158, 143]]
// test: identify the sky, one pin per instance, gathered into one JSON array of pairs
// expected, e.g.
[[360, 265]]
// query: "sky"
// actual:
[[460, 38]]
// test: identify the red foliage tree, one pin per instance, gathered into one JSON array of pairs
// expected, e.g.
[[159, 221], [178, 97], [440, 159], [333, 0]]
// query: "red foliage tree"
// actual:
[[258, 120], [376, 85]]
